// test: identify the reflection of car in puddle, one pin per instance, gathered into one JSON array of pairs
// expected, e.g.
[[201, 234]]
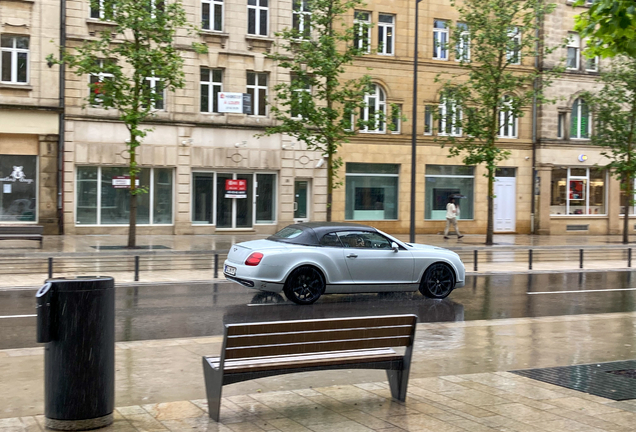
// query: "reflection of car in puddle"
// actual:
[[273, 307]]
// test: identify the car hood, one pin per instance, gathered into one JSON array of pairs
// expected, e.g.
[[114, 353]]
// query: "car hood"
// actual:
[[239, 252]]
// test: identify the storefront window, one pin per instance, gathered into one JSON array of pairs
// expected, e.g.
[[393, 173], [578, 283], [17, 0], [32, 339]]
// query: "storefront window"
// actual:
[[371, 191], [578, 191], [630, 205], [18, 180], [443, 181], [110, 205], [265, 198]]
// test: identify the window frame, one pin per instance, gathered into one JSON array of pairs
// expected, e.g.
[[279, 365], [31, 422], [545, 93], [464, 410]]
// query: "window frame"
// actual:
[[211, 84], [256, 88], [258, 9], [212, 15], [444, 115], [579, 117], [504, 119], [428, 175], [587, 179], [153, 81], [301, 18], [440, 47], [99, 13], [379, 106], [462, 49], [369, 174], [299, 92], [386, 32], [95, 101], [14, 53], [362, 25], [574, 47], [514, 56]]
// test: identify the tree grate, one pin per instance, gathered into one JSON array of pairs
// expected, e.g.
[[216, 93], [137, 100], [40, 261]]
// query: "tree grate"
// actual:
[[612, 380]]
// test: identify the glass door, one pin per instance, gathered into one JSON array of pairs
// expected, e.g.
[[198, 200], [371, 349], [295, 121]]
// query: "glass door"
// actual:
[[301, 194], [233, 212]]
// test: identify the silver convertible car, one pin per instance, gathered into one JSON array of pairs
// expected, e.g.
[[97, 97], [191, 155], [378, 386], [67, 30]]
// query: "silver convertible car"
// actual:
[[307, 260]]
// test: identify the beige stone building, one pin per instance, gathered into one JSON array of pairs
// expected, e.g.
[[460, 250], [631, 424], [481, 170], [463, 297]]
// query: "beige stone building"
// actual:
[[573, 193], [29, 113], [197, 157]]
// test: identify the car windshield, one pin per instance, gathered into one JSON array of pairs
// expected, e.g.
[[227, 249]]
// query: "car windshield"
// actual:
[[288, 233]]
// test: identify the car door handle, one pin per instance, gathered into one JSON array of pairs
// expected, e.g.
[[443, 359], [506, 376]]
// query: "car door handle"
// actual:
[[352, 255]]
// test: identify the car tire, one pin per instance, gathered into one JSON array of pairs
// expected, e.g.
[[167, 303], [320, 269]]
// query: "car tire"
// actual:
[[438, 281], [304, 285]]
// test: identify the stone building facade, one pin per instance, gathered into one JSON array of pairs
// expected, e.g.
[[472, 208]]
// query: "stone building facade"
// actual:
[[29, 114]]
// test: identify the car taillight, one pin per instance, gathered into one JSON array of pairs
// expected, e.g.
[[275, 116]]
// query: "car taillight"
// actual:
[[254, 259]]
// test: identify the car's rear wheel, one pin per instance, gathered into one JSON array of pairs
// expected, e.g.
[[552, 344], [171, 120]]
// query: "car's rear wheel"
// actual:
[[438, 281], [304, 285]]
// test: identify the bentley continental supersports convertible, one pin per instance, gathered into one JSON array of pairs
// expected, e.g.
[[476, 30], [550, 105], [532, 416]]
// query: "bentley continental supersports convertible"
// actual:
[[307, 260]]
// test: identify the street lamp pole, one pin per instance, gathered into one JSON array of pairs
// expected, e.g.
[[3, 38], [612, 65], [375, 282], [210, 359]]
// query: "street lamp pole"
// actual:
[[414, 132]]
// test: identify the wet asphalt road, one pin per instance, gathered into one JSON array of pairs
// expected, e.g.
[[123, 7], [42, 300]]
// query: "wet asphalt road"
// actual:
[[177, 311]]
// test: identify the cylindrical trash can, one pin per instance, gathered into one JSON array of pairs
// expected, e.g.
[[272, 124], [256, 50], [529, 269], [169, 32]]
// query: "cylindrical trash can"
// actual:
[[76, 320]]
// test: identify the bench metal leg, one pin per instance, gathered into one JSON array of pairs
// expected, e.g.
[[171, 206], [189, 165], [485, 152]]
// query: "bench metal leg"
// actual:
[[213, 388], [398, 381]]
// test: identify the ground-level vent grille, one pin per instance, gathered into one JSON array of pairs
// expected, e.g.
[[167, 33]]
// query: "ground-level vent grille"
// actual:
[[577, 227]]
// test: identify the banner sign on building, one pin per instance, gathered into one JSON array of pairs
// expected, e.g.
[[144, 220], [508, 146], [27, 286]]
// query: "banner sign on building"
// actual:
[[123, 182], [238, 103], [235, 188]]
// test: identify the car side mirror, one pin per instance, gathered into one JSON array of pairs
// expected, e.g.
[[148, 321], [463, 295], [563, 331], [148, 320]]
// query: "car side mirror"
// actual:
[[395, 246]]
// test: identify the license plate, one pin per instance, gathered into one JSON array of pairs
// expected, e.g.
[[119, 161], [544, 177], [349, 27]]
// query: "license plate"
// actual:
[[230, 270]]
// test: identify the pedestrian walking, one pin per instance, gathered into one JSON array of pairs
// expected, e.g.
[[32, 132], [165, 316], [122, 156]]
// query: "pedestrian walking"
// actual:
[[452, 213]]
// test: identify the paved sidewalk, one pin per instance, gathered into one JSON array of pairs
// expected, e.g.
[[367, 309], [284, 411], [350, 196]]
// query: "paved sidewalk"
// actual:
[[460, 381]]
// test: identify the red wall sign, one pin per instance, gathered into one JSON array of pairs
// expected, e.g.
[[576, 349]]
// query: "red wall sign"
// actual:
[[235, 188]]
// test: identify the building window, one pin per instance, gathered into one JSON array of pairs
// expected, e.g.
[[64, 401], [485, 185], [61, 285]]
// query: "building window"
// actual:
[[257, 17], [450, 116], [211, 85], [257, 89], [440, 40], [301, 95], [396, 119], [212, 206], [463, 43], [574, 47], [301, 20], [18, 180], [102, 9], [428, 120], [507, 120], [591, 64], [371, 191], [630, 205], [386, 30], [99, 202], [442, 181], [578, 191], [362, 31], [97, 81], [14, 61], [212, 15], [561, 125], [514, 54], [374, 111], [155, 93], [580, 121]]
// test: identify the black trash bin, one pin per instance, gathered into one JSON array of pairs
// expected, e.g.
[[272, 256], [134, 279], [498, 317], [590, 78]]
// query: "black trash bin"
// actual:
[[76, 320]]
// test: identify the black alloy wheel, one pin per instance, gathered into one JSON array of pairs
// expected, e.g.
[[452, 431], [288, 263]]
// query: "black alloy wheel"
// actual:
[[304, 286], [438, 281]]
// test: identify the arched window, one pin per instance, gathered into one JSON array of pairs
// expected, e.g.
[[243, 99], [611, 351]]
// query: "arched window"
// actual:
[[507, 119], [450, 116], [580, 120], [374, 111]]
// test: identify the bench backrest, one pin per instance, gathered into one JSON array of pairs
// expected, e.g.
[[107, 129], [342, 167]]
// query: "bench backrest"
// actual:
[[21, 229], [319, 335]]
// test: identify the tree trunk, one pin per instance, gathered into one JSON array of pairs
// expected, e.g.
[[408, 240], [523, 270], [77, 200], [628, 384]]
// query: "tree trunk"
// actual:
[[132, 222], [489, 227], [329, 186]]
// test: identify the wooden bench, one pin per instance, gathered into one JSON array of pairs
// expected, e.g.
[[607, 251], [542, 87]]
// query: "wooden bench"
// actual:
[[21, 232], [257, 350]]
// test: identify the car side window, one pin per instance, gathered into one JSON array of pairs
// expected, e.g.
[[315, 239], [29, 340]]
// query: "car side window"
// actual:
[[376, 241], [331, 240], [364, 240]]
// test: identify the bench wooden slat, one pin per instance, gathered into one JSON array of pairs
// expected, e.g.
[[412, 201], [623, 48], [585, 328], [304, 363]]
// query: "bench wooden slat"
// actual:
[[318, 335], [321, 324], [314, 347]]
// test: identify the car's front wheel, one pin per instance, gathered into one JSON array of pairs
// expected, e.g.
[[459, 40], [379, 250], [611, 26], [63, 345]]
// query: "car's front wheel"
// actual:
[[438, 281], [304, 285]]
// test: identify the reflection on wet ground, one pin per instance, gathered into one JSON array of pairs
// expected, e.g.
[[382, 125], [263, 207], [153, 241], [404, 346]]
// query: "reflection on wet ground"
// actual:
[[193, 310]]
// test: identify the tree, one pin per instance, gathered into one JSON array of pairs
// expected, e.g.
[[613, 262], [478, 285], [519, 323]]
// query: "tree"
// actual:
[[610, 26], [483, 102], [614, 108], [130, 64], [316, 106]]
